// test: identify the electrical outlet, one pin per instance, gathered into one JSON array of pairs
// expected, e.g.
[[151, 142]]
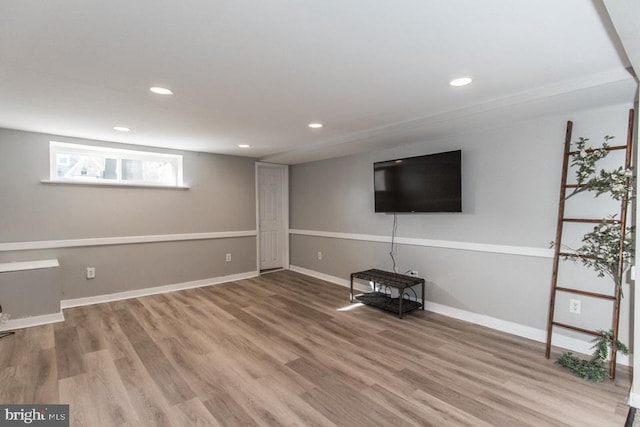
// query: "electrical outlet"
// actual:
[[319, 255], [228, 258], [575, 306], [91, 272], [413, 273]]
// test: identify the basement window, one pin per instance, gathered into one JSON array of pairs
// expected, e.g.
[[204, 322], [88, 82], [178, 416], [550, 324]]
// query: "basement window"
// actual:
[[88, 164]]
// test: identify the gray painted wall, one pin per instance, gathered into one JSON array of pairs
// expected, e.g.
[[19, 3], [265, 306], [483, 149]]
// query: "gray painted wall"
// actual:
[[221, 198], [30, 293], [511, 179]]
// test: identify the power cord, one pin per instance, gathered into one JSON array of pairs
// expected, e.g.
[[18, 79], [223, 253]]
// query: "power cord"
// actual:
[[393, 240]]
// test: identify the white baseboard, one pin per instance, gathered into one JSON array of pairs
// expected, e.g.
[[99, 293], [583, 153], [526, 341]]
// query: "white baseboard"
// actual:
[[634, 399], [322, 276], [78, 302], [27, 322], [562, 341]]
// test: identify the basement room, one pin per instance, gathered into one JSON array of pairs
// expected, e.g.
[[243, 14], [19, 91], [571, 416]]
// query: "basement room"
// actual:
[[319, 213]]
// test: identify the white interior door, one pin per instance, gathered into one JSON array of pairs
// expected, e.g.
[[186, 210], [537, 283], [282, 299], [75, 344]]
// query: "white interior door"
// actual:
[[271, 219]]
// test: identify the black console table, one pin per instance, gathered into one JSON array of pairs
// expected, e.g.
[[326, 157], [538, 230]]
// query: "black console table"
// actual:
[[384, 300]]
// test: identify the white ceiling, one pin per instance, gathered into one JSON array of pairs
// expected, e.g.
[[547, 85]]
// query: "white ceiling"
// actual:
[[255, 72]]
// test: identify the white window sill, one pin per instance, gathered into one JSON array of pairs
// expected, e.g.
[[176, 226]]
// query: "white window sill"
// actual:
[[6, 267], [114, 184]]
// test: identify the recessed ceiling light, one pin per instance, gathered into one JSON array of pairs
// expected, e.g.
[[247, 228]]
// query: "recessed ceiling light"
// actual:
[[462, 81], [244, 145], [315, 125], [161, 90], [121, 128]]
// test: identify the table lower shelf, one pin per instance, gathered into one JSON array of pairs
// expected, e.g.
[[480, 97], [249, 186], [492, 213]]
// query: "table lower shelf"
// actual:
[[385, 302]]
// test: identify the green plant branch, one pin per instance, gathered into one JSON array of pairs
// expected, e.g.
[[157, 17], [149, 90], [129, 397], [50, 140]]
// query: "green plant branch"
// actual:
[[592, 369], [600, 249], [617, 183]]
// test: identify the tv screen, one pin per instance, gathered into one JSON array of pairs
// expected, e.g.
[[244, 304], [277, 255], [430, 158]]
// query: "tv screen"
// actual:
[[431, 183]]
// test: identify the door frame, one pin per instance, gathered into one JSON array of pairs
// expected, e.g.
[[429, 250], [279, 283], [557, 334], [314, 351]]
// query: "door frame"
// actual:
[[285, 212]]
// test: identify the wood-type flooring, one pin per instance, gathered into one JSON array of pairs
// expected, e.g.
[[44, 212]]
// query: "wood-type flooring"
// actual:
[[285, 349]]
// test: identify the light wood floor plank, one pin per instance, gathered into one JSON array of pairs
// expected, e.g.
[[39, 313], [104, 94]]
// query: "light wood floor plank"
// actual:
[[174, 388], [201, 372], [13, 385], [109, 401], [194, 413], [145, 397], [228, 412], [68, 352], [41, 378], [79, 394]]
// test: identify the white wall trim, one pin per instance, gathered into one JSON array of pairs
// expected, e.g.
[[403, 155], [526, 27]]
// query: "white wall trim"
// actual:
[[124, 240], [6, 267], [512, 328], [447, 244], [78, 302], [27, 322]]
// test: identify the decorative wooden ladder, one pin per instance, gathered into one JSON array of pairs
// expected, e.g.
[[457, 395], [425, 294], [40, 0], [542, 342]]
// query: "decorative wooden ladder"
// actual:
[[615, 298]]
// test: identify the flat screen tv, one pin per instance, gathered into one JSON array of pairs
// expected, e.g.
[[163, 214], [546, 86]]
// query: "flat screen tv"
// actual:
[[431, 183]]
